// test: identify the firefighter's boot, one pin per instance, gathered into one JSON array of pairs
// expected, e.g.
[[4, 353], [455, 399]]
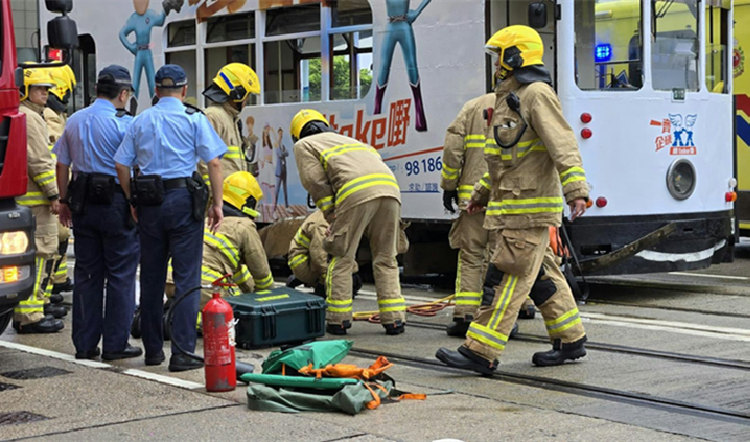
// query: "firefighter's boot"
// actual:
[[46, 325], [379, 93], [560, 353], [56, 311], [528, 311], [420, 122], [293, 282], [513, 331], [458, 327], [66, 286], [467, 360], [338, 329], [395, 328]]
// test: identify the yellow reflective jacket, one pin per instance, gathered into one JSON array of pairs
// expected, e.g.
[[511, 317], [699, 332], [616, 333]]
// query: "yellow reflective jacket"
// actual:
[[235, 243], [41, 184], [307, 244], [463, 150], [224, 118], [523, 186], [340, 172]]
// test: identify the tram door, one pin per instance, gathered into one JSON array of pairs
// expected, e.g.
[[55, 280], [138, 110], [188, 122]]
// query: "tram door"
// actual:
[[84, 68], [502, 13]]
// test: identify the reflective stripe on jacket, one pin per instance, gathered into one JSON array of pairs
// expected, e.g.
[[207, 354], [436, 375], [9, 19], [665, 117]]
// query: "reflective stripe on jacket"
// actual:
[[41, 183], [307, 243]]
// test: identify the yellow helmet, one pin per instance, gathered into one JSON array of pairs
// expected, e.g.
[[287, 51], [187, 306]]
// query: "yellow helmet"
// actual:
[[65, 81], [242, 191], [516, 46], [35, 77], [235, 82], [302, 118]]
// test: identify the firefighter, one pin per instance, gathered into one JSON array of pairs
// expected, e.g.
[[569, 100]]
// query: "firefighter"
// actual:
[[463, 166], [236, 246], [55, 115], [358, 195], [43, 198], [531, 151], [228, 94]]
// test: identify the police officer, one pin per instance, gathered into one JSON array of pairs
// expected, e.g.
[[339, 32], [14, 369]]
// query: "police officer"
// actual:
[[358, 195], [228, 94], [55, 115], [166, 141], [42, 197], [533, 153], [106, 246]]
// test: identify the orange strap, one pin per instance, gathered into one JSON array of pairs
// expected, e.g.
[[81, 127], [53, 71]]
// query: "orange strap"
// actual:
[[348, 371], [415, 396]]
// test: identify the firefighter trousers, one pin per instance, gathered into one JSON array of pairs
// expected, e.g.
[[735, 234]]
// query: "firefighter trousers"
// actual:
[[60, 270], [471, 239], [522, 264], [303, 270], [377, 219], [45, 239]]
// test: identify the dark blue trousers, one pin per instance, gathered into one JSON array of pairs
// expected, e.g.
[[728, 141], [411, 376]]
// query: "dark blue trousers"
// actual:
[[105, 248], [169, 230]]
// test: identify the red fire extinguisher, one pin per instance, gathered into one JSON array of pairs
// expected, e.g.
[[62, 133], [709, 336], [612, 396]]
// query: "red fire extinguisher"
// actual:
[[218, 345]]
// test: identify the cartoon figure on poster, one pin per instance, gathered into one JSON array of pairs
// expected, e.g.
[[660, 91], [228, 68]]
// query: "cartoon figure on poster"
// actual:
[[140, 23], [281, 154], [251, 143], [267, 176], [399, 30]]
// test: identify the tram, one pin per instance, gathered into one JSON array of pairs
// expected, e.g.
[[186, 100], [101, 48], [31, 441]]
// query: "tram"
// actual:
[[741, 92], [644, 84]]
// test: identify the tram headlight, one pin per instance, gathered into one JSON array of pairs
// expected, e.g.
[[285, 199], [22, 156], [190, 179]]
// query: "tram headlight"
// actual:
[[681, 179]]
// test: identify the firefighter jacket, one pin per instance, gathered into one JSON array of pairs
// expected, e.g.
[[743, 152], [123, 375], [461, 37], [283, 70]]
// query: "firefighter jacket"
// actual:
[[235, 243], [55, 124], [307, 244], [523, 186], [340, 172], [463, 150], [225, 120], [41, 186]]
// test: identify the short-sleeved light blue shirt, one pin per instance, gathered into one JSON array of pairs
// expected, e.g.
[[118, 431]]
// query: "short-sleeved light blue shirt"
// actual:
[[91, 138], [166, 140]]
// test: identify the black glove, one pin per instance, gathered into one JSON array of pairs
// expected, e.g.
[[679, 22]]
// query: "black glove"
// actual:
[[448, 197]]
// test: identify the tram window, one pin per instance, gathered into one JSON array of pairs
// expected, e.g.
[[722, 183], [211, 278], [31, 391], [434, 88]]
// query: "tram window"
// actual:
[[674, 52], [217, 57], [351, 74], [351, 12], [181, 33], [230, 27], [609, 46], [717, 35], [289, 68], [293, 19], [185, 59]]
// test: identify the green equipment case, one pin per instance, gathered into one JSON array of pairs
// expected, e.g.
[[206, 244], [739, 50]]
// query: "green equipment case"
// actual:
[[277, 316]]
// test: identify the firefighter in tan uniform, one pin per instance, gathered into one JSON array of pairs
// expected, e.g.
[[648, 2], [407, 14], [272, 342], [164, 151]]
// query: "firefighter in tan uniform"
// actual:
[[307, 258], [358, 195], [531, 150], [463, 166], [43, 198], [55, 115], [228, 94]]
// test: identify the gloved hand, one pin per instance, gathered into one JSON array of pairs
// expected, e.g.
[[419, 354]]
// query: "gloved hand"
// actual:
[[448, 197]]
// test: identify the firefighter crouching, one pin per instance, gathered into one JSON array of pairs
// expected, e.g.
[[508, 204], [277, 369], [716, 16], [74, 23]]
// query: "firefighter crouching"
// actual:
[[358, 195], [43, 198], [531, 150]]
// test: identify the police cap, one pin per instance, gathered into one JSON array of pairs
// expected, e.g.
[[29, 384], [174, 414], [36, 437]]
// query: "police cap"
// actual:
[[114, 75], [170, 76]]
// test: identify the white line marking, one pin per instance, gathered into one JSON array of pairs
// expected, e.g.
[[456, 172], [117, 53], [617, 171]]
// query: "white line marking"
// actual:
[[703, 275], [168, 380]]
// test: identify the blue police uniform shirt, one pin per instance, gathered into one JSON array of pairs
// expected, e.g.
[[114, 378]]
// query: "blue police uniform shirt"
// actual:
[[165, 140], [91, 138]]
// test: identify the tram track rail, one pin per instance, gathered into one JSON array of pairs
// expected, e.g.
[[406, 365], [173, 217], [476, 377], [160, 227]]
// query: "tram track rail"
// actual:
[[729, 314], [626, 397]]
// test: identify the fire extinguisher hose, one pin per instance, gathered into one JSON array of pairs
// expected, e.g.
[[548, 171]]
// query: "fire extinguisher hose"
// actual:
[[172, 308]]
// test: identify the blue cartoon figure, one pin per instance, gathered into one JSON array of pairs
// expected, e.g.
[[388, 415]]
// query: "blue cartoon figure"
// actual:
[[689, 123], [399, 30], [141, 23], [676, 120]]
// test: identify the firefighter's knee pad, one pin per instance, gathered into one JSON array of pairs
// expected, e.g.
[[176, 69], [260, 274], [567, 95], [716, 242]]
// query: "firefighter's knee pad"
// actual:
[[542, 290], [493, 278]]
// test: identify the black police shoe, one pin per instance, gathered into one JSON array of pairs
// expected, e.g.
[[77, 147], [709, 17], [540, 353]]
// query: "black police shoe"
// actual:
[[528, 312], [467, 360], [394, 329], [293, 282], [458, 327], [90, 354], [156, 359], [56, 298], [338, 329], [66, 286], [56, 311], [183, 362], [560, 353], [46, 325], [128, 352]]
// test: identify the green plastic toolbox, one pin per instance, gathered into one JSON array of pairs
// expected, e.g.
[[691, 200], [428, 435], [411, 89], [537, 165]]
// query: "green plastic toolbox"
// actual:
[[277, 316]]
